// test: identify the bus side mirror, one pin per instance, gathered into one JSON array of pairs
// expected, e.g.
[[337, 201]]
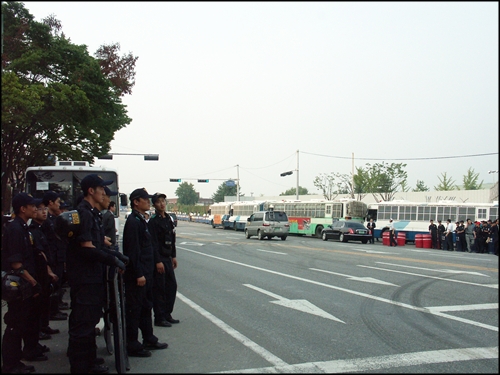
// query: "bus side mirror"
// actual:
[[123, 200]]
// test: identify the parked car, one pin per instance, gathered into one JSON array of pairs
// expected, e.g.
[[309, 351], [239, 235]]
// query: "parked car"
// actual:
[[346, 231], [267, 224], [174, 218]]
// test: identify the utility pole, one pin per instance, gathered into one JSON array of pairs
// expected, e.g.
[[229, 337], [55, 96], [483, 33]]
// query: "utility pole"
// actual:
[[352, 177], [237, 182], [297, 190]]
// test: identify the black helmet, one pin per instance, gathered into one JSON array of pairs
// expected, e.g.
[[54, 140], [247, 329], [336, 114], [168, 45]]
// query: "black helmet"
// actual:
[[67, 224], [14, 287]]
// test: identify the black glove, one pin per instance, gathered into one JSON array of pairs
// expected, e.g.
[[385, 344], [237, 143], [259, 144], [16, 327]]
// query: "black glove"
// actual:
[[120, 256], [119, 264], [37, 288]]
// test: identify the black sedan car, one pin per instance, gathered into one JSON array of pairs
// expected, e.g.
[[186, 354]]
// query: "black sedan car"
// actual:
[[346, 231]]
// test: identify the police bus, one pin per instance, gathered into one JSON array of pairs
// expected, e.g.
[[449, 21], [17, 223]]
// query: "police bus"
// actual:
[[414, 218], [218, 212], [305, 217], [64, 178], [310, 217]]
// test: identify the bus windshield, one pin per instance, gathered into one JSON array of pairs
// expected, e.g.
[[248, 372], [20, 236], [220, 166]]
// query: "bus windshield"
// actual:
[[65, 182]]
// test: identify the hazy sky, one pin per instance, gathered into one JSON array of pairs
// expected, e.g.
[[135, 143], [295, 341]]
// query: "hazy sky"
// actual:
[[250, 83]]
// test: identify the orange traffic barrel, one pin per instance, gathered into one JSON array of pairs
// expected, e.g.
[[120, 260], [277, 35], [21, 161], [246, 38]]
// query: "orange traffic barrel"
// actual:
[[385, 238], [401, 238], [426, 241], [418, 240]]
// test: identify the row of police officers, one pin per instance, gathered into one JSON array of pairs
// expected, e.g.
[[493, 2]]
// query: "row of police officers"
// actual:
[[147, 265]]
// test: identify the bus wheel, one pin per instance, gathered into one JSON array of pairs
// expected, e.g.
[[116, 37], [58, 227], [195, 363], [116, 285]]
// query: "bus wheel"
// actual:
[[319, 228]]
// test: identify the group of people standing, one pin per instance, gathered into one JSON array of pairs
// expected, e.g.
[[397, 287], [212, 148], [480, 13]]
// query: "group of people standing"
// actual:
[[33, 248], [472, 237]]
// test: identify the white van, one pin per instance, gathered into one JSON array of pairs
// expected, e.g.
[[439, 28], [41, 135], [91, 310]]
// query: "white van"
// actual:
[[267, 224]]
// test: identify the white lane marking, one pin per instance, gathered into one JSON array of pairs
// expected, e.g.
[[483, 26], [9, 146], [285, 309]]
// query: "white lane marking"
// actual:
[[372, 364], [373, 251], [356, 278], [296, 304], [493, 286], [191, 243], [436, 270], [269, 251], [267, 355], [479, 306], [365, 295]]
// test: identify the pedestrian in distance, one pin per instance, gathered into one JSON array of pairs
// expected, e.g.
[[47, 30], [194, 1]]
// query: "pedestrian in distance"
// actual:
[[460, 231], [371, 227], [469, 235], [392, 233], [433, 230], [138, 279], [162, 231], [21, 319], [85, 261], [441, 235], [448, 244]]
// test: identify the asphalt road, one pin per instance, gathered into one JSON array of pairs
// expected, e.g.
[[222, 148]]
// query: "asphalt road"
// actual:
[[305, 305]]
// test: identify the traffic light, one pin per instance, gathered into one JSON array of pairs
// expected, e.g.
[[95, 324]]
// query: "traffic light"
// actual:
[[175, 180], [286, 173], [153, 157], [106, 157], [202, 180]]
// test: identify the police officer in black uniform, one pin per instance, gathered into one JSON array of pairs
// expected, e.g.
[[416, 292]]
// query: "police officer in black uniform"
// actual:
[[138, 278], [44, 272], [22, 322], [57, 255], [85, 259], [165, 285], [441, 230], [433, 230]]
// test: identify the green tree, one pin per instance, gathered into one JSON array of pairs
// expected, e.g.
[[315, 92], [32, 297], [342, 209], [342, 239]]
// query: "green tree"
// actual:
[[326, 183], [445, 183], [293, 191], [361, 183], [186, 194], [470, 180], [421, 186], [384, 179], [404, 186], [57, 100], [223, 190]]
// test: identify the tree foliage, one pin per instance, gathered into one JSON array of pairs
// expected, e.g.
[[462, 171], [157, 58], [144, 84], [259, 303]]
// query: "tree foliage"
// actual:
[[470, 180], [57, 100], [326, 183], [186, 194], [445, 183], [224, 190], [293, 191], [384, 179], [420, 186]]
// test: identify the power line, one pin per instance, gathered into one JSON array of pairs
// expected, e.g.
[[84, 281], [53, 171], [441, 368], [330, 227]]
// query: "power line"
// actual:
[[404, 159]]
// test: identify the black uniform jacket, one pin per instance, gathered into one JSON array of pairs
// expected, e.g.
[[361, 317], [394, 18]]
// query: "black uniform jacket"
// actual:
[[85, 264], [162, 230], [138, 247], [17, 246]]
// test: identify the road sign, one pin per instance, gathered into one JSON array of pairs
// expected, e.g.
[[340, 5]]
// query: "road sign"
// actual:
[[230, 183]]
